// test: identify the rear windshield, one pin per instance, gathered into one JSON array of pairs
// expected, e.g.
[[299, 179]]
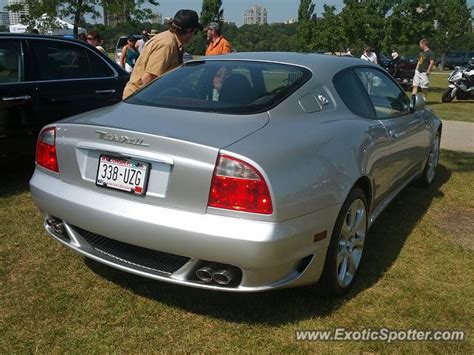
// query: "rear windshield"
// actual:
[[234, 87]]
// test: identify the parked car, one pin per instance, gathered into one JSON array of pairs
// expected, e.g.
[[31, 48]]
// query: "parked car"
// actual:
[[454, 59], [243, 172], [44, 79]]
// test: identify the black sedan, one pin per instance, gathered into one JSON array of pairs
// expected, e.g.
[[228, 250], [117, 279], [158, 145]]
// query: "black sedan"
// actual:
[[44, 79]]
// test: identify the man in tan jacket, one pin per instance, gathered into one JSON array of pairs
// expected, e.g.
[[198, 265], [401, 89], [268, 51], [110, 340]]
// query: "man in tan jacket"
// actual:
[[164, 51]]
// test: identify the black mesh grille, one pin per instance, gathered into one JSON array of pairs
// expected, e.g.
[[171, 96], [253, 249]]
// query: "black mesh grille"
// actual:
[[132, 256]]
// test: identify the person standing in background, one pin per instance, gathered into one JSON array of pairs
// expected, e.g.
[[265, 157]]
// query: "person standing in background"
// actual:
[[142, 41], [426, 60], [95, 39], [129, 54], [218, 44], [164, 51], [369, 55]]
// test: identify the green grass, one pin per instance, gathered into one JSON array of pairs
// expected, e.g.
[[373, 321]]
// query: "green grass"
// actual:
[[417, 273], [452, 111]]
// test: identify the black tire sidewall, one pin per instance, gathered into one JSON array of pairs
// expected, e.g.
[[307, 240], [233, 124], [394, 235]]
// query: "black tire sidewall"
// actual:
[[446, 97]]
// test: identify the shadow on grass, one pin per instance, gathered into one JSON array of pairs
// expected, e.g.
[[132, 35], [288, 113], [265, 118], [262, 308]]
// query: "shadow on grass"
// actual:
[[15, 176], [384, 242]]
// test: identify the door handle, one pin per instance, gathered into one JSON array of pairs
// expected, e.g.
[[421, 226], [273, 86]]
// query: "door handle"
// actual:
[[17, 98], [110, 91]]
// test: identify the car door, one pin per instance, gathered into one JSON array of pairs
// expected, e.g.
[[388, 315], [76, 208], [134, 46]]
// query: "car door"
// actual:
[[376, 148], [408, 130], [66, 79], [18, 119]]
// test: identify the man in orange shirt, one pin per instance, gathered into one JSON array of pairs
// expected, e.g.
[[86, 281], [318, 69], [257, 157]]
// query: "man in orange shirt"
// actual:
[[218, 45]]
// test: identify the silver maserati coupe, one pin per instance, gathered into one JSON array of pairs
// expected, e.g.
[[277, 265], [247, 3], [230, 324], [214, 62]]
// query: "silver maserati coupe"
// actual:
[[244, 172]]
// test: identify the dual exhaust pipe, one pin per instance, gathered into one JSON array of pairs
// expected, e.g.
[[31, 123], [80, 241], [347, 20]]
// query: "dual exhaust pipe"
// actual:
[[222, 277]]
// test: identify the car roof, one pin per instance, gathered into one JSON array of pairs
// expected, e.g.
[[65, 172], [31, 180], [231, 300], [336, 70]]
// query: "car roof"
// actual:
[[314, 62], [35, 36], [117, 67]]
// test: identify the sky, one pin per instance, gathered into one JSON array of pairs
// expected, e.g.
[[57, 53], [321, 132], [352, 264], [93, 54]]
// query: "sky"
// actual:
[[278, 10]]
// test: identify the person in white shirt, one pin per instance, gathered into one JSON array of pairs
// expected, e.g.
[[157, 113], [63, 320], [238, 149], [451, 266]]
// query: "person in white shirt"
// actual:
[[369, 55], [141, 42]]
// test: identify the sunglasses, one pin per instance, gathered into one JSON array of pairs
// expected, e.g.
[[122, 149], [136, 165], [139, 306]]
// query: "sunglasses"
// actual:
[[90, 38]]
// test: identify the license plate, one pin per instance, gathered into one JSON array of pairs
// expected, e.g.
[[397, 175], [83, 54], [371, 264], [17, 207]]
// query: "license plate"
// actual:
[[122, 174]]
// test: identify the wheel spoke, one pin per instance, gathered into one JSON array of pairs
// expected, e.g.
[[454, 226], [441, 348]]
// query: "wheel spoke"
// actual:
[[353, 215], [340, 258], [358, 241], [343, 269], [351, 266], [360, 223]]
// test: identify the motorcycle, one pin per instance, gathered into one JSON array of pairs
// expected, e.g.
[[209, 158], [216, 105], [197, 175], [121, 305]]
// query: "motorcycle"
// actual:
[[402, 71], [461, 84]]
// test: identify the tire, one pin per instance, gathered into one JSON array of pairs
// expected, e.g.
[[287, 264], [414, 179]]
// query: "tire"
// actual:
[[447, 97], [429, 172], [346, 246]]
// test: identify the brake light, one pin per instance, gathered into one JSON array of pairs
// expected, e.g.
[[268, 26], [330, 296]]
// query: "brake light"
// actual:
[[236, 185], [46, 149]]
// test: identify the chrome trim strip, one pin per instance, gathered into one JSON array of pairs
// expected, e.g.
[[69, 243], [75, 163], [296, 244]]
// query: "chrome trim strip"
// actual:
[[126, 152]]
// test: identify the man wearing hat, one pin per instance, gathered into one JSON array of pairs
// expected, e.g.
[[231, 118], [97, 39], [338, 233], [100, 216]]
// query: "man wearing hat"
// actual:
[[218, 44], [164, 51]]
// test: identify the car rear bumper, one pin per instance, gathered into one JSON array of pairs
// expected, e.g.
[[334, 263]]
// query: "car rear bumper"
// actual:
[[265, 255]]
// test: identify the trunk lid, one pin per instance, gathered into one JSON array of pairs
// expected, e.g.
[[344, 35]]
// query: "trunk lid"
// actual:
[[180, 148], [206, 128]]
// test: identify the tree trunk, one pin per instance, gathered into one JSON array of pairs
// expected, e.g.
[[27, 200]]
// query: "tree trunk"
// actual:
[[77, 18]]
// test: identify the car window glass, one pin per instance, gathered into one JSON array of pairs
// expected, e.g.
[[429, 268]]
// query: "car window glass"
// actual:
[[386, 97], [351, 92], [58, 60], [11, 62], [223, 86], [100, 68]]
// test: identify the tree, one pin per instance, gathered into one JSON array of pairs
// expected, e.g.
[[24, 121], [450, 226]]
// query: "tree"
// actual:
[[77, 9], [40, 15], [330, 34], [126, 10], [305, 25], [365, 23], [211, 12], [450, 22]]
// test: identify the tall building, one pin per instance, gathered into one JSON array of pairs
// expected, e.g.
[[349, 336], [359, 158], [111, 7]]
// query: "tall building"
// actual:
[[256, 15], [15, 17], [4, 19]]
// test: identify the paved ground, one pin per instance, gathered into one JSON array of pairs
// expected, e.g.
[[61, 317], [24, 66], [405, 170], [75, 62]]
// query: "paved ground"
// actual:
[[458, 136]]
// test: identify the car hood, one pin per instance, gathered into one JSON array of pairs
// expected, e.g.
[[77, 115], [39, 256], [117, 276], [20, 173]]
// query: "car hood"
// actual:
[[206, 128]]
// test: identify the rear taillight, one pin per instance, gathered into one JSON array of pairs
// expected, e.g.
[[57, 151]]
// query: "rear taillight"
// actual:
[[236, 185], [46, 149]]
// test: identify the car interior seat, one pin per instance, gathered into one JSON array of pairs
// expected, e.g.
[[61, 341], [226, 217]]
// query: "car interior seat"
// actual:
[[10, 68], [236, 89]]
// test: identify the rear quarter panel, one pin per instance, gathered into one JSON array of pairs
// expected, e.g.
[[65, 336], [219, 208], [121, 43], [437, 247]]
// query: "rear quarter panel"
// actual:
[[311, 160]]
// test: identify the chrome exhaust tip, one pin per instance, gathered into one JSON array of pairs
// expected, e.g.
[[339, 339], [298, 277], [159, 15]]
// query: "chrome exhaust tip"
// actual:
[[57, 226], [223, 277], [204, 274]]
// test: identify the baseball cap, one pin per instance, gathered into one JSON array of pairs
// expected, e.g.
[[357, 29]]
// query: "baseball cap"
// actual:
[[187, 19], [213, 26]]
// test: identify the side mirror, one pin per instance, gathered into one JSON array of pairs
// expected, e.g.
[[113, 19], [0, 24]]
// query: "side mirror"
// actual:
[[419, 103]]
